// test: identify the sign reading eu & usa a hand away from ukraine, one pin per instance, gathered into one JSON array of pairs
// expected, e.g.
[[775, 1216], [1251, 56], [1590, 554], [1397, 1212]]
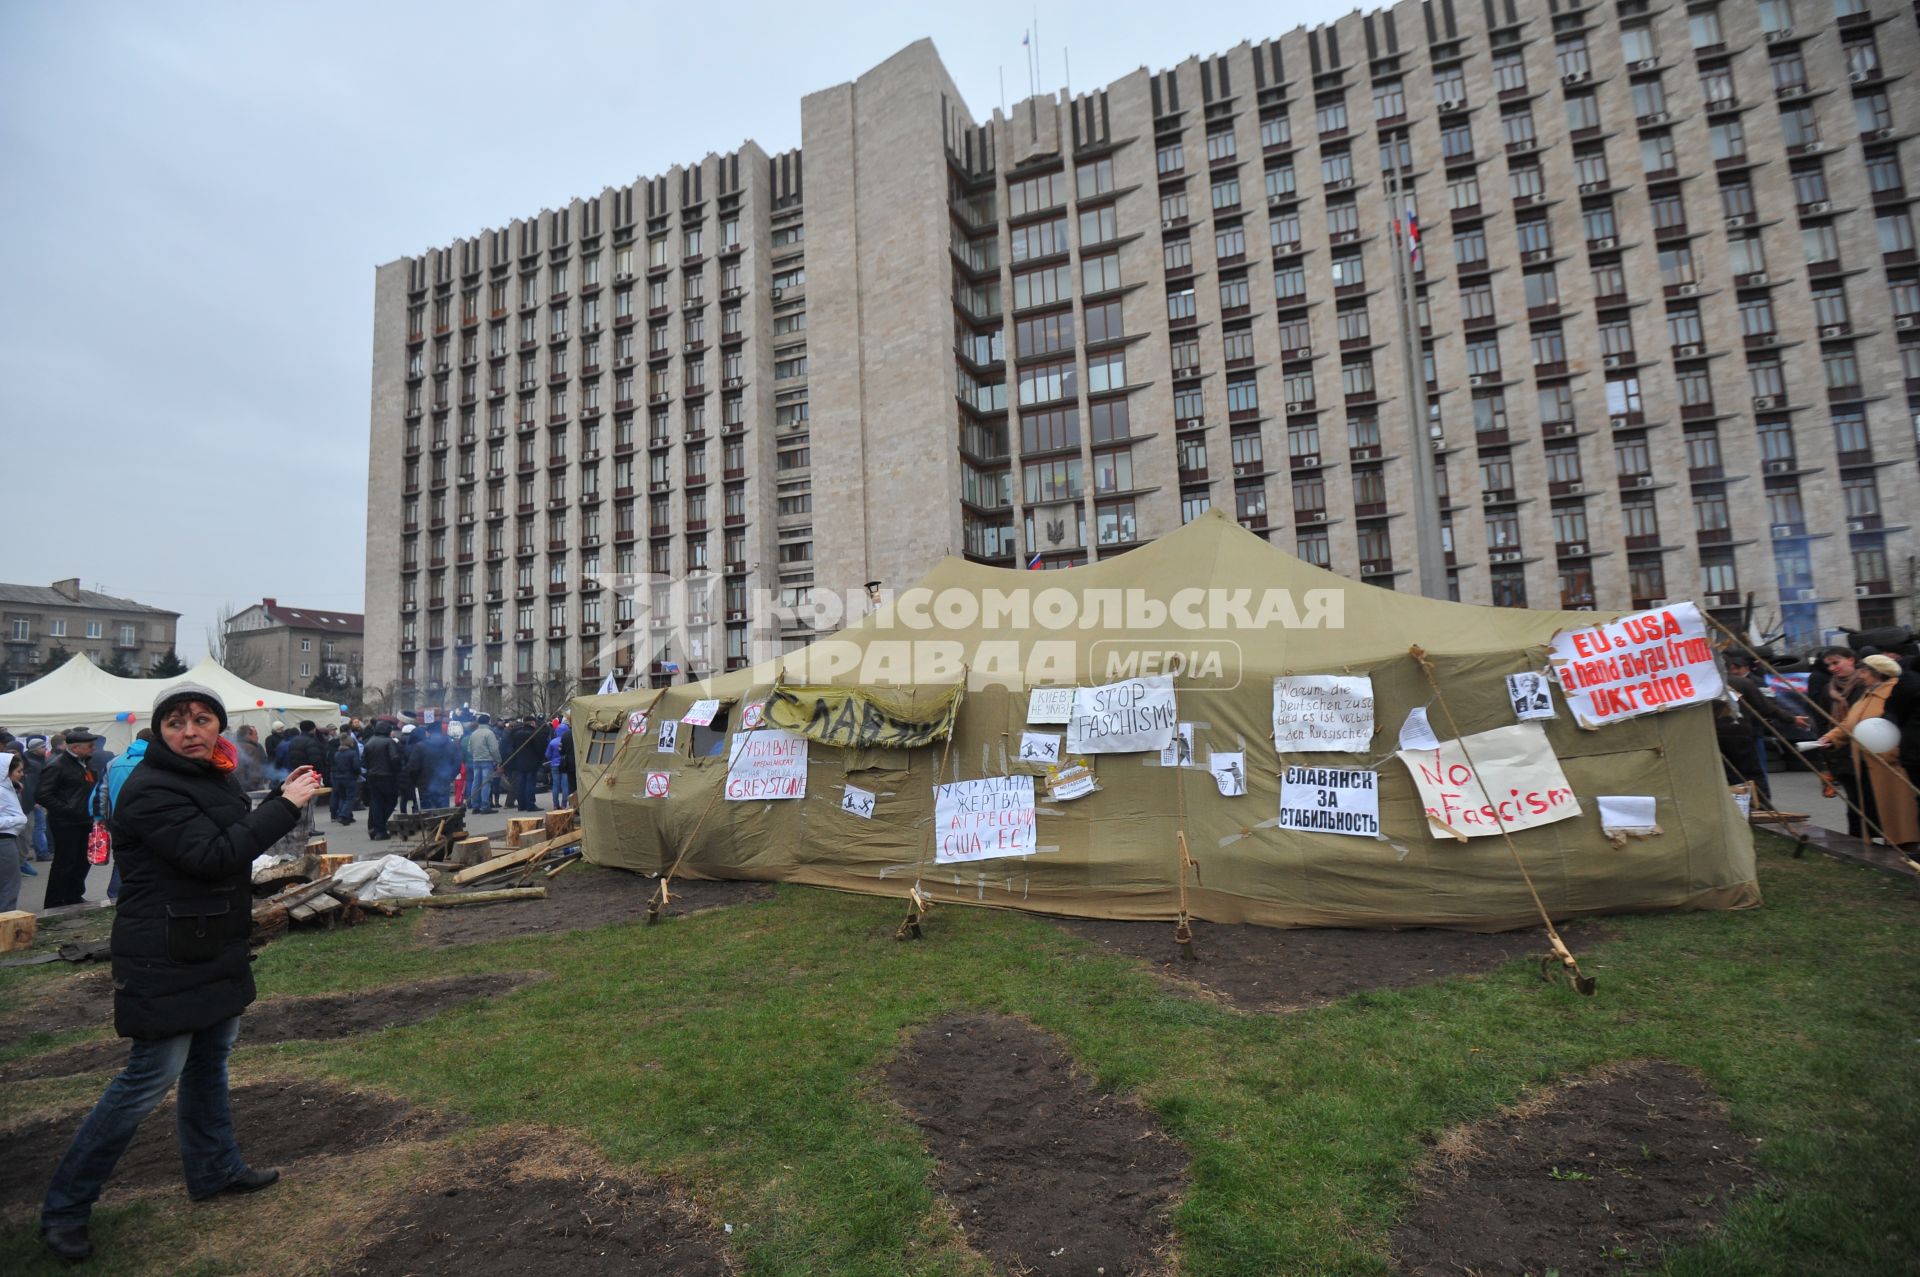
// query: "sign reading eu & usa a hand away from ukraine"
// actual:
[[1640, 664]]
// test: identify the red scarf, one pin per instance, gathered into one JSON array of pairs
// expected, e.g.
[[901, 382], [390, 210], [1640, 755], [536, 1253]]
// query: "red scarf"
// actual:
[[224, 757]]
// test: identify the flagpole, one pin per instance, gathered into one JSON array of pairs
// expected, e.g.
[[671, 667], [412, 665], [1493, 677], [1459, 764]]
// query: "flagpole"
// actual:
[[1430, 555]]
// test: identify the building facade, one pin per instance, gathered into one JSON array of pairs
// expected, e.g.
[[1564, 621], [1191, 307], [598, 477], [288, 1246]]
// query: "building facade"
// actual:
[[41, 621], [1663, 341], [272, 645]]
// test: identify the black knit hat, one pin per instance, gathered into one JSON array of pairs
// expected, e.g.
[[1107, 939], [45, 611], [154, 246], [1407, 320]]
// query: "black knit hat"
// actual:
[[183, 692]]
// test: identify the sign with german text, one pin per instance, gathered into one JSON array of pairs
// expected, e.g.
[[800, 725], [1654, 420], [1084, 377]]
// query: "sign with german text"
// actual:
[[766, 764], [1330, 800], [1640, 664], [1329, 713], [982, 819], [1474, 786], [1133, 716]]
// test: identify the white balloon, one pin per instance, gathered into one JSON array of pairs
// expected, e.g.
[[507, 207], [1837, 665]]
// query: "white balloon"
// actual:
[[1876, 735]]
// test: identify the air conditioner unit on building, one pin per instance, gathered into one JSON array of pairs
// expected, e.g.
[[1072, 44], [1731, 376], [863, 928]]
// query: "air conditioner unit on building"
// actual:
[[1605, 242], [1643, 481], [1856, 525], [1294, 408], [1538, 254], [1307, 461], [1655, 117], [1880, 135], [1779, 465], [1575, 489], [1739, 219], [1576, 548], [1490, 498], [1239, 472], [1764, 403], [1796, 593], [1611, 361], [1688, 352], [1862, 591], [1618, 423], [1318, 516], [1273, 201], [1588, 188], [1687, 290], [1194, 423], [1905, 321], [1477, 379], [1755, 280], [1859, 77], [776, 293], [1815, 145], [1834, 330], [1782, 530], [1452, 104], [1576, 77], [1778, 34], [1557, 428], [1647, 64]]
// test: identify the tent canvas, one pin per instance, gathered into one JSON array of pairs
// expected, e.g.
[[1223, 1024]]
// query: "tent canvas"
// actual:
[[81, 693], [1209, 588]]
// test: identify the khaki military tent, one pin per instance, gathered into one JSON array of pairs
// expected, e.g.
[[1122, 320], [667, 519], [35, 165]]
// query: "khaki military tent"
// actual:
[[1230, 614]]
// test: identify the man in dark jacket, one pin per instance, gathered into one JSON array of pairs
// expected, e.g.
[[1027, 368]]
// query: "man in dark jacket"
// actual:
[[181, 971], [306, 749], [66, 794], [525, 753], [384, 764], [1756, 705], [432, 764]]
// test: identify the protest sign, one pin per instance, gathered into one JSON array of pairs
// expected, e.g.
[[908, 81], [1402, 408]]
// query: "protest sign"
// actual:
[[1639, 664], [1179, 750], [1049, 705], [753, 715], [981, 819], [1531, 695], [1070, 783], [857, 802], [668, 741], [863, 718], [701, 715], [1039, 747], [636, 722], [1515, 763], [769, 763], [1229, 773], [1330, 800], [1417, 732], [657, 783], [1135, 715], [1323, 712]]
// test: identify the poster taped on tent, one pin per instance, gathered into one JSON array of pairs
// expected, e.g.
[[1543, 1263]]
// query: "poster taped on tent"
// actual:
[[1133, 716], [764, 764], [1514, 762], [1322, 712], [982, 819], [1049, 705], [1331, 800], [1640, 664]]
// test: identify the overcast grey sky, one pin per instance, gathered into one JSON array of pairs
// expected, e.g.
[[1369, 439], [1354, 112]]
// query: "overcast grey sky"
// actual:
[[194, 198]]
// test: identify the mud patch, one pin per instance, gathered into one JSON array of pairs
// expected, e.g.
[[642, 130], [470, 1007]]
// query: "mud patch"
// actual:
[[63, 1005], [517, 1209], [1600, 1176], [1044, 1174], [279, 1123], [578, 899], [323, 1017], [1282, 969]]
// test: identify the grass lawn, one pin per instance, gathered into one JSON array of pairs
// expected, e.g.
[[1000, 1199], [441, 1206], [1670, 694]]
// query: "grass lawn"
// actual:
[[735, 1053]]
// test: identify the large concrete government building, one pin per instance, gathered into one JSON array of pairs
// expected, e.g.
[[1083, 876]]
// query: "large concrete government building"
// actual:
[[1667, 304]]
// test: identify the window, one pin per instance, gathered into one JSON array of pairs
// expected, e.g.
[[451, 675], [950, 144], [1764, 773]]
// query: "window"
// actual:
[[1820, 244], [1094, 178], [1330, 115], [1896, 232], [1516, 129], [1170, 157], [1572, 59], [1483, 357], [1336, 169], [1525, 182], [1542, 288], [1703, 28], [1099, 226], [1872, 112], [1583, 112], [1509, 76], [1220, 143], [1463, 192], [1883, 172], [1809, 185], [1450, 86], [1283, 232], [1746, 255], [1549, 347], [1225, 194], [1728, 141], [1683, 326], [1736, 200], [1799, 126], [1657, 154], [1830, 307], [1279, 184], [1717, 86], [1275, 130], [1390, 98], [1636, 45], [1470, 246], [1097, 274]]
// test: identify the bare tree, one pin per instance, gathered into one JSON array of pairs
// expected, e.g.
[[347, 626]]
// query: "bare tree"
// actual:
[[238, 659]]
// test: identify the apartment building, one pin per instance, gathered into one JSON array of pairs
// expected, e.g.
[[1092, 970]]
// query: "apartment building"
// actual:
[[273, 645], [44, 620], [1663, 340]]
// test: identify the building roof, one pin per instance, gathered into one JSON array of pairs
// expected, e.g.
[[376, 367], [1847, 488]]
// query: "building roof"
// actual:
[[306, 618], [49, 596]]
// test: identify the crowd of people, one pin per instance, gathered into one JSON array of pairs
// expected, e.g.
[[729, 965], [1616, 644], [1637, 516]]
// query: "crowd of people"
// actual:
[[58, 786], [1845, 687]]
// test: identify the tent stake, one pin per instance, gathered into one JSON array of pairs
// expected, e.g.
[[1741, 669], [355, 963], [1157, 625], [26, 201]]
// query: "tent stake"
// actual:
[[1560, 953], [917, 904]]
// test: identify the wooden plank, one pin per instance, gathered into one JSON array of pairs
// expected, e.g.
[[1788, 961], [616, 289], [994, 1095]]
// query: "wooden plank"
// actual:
[[512, 858], [470, 898]]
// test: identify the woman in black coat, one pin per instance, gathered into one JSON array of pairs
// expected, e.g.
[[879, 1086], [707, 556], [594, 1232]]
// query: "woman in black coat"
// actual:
[[186, 841]]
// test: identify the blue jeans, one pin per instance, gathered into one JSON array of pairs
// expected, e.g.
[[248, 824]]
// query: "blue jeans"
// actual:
[[345, 793], [562, 789], [480, 786], [523, 791], [198, 1061]]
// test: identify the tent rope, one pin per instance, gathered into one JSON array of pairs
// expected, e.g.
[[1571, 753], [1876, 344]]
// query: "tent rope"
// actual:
[[1585, 984], [613, 763], [660, 897], [917, 902]]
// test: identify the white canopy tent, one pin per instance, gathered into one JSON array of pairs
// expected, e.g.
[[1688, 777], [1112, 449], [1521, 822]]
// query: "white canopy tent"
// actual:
[[80, 693]]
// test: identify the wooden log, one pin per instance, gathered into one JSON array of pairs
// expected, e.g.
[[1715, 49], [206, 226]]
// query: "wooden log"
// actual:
[[553, 871], [559, 822], [317, 845], [475, 850], [519, 827], [470, 898], [333, 862], [17, 928], [525, 854]]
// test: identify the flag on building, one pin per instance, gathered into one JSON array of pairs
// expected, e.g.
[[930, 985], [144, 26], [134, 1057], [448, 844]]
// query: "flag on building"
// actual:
[[609, 685], [1413, 239], [1033, 564]]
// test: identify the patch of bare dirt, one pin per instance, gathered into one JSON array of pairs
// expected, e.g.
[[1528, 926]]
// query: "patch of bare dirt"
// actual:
[[1598, 1177], [1045, 1175], [587, 896], [515, 1210], [326, 1016], [1286, 969], [278, 1123], [63, 1005]]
